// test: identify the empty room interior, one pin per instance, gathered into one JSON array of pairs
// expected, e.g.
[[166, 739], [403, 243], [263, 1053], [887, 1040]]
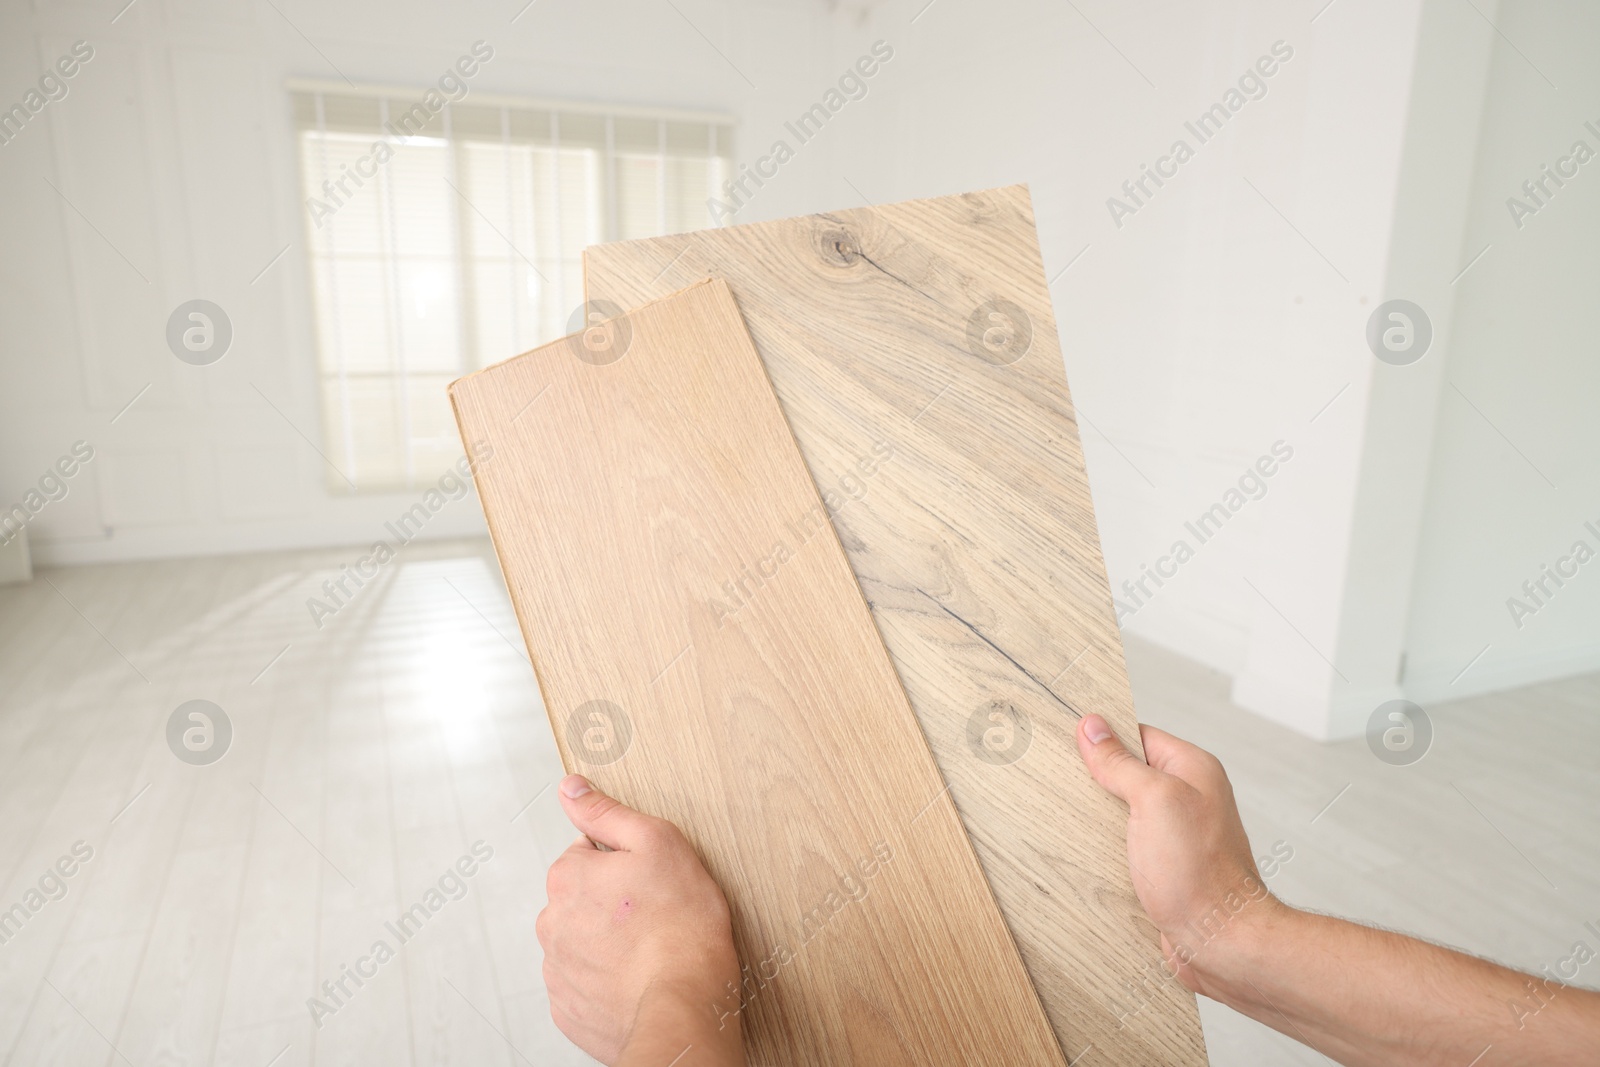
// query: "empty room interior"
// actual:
[[828, 428]]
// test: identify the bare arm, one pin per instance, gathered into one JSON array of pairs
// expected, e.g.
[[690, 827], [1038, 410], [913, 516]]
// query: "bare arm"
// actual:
[[1364, 997]]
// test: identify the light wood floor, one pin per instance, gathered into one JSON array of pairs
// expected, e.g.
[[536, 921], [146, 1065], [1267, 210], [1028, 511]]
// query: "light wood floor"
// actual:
[[369, 755]]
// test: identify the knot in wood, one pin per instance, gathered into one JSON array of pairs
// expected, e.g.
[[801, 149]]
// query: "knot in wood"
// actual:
[[838, 247]]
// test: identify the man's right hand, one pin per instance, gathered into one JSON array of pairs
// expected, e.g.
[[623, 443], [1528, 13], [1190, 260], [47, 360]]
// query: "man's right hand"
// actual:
[[1362, 997], [1190, 859]]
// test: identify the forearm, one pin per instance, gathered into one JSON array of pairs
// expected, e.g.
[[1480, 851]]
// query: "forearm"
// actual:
[[1369, 998]]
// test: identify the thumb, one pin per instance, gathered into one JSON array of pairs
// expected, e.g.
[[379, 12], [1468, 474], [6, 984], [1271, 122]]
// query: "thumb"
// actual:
[[1113, 766], [604, 820]]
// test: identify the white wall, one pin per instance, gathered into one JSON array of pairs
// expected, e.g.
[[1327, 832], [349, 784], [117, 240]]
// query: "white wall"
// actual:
[[174, 156], [1526, 351], [1169, 324], [1225, 315], [1212, 323], [1221, 318], [1335, 571]]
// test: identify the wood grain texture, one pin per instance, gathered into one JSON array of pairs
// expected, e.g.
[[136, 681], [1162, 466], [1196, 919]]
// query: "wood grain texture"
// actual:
[[915, 354], [623, 496]]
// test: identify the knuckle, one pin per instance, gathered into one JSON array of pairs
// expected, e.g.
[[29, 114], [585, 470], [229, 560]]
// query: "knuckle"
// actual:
[[557, 880], [1115, 765], [717, 907], [1116, 757], [661, 834], [602, 807], [1210, 780], [563, 1019]]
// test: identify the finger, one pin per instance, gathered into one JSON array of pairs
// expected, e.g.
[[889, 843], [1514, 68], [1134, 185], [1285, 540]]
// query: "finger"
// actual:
[[605, 821], [1175, 756], [1112, 765]]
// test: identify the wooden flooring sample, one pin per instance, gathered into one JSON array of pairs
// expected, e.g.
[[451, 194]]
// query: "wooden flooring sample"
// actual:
[[631, 484], [915, 354]]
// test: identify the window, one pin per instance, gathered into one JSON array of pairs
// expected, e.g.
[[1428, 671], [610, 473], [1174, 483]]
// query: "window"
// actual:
[[441, 246]]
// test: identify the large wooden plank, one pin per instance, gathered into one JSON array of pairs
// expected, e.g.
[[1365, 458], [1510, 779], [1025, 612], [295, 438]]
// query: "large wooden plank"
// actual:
[[625, 487], [915, 353]]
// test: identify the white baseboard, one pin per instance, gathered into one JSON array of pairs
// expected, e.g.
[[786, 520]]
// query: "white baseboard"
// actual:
[[1343, 713], [1440, 682], [462, 518], [16, 565], [1333, 712], [1217, 646]]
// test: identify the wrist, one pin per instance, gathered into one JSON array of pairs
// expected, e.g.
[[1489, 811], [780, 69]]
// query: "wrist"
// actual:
[[683, 1020], [1225, 965]]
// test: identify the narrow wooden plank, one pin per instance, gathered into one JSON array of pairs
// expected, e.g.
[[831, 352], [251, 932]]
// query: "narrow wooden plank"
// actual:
[[359, 888], [624, 484], [271, 969], [914, 351], [175, 1001]]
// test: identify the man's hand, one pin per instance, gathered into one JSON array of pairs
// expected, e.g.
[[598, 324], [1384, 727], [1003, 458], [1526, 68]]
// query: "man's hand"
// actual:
[[1362, 997], [638, 947], [1187, 848]]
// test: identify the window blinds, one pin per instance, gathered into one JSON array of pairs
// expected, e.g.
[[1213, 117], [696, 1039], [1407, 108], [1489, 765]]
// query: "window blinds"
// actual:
[[437, 247]]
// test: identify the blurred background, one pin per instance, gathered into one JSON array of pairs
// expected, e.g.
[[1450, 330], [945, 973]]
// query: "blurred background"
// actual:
[[248, 242]]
